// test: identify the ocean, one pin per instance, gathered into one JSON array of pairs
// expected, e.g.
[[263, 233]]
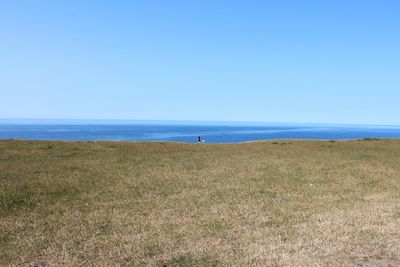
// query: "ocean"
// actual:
[[212, 133]]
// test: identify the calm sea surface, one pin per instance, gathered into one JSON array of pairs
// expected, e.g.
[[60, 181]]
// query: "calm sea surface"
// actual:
[[189, 133]]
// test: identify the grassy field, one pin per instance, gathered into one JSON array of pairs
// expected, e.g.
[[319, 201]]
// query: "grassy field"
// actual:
[[291, 203]]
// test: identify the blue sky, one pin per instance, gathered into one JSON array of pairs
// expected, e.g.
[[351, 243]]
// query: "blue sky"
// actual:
[[273, 61]]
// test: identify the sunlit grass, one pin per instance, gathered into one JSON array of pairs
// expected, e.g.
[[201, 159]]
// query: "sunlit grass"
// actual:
[[263, 203]]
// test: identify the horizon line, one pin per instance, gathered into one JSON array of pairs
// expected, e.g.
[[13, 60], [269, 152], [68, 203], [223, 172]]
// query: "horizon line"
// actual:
[[186, 122]]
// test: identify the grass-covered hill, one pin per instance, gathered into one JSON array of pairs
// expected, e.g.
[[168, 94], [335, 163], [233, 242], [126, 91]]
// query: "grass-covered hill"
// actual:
[[172, 204]]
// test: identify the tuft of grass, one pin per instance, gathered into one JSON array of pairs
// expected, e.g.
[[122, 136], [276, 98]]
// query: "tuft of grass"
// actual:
[[16, 200], [369, 139], [105, 229], [212, 227], [188, 260], [6, 239]]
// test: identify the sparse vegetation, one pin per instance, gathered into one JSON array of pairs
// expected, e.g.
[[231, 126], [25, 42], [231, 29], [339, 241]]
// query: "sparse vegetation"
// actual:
[[171, 204], [370, 139]]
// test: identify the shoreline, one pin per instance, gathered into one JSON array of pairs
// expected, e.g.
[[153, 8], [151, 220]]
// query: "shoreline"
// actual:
[[195, 143]]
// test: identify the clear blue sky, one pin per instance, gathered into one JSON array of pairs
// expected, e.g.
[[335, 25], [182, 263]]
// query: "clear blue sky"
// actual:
[[274, 61]]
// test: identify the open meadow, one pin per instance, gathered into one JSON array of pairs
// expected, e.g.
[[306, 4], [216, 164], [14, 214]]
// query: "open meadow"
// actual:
[[270, 203]]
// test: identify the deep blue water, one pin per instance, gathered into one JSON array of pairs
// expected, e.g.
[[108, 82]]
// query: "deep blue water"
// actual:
[[189, 133]]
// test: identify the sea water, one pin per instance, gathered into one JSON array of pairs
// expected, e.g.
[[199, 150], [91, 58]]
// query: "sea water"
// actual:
[[212, 133]]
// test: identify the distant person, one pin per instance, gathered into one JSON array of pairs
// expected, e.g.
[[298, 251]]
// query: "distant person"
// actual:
[[203, 140], [199, 139]]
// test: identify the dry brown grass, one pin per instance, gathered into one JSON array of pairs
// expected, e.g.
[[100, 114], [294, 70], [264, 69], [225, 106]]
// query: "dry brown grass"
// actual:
[[291, 203]]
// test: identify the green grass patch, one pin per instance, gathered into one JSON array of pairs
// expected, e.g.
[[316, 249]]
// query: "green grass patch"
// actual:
[[212, 227], [188, 260]]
